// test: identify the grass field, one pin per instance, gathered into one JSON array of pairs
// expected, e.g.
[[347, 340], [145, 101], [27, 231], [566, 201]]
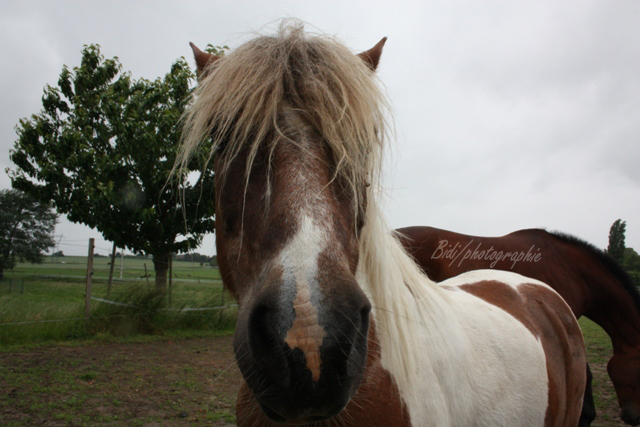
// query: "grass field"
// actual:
[[46, 301], [133, 268]]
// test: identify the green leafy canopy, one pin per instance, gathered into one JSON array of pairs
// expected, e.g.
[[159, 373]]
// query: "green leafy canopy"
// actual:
[[102, 151]]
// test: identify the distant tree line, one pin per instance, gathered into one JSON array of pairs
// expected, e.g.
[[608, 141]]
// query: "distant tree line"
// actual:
[[189, 257], [628, 258], [196, 257]]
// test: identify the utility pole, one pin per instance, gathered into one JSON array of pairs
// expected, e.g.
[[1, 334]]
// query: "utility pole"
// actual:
[[58, 246]]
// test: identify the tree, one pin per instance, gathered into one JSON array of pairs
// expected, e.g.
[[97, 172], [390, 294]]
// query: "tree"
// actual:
[[631, 263], [26, 229], [616, 240], [103, 149], [631, 260]]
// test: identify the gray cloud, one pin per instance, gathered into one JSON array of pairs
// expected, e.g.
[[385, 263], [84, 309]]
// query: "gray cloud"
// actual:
[[509, 114]]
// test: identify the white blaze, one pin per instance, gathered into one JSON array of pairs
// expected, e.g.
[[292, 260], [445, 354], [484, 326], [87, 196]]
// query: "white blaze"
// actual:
[[299, 261]]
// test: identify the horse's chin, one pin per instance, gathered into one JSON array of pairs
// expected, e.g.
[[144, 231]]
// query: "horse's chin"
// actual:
[[304, 421], [298, 403], [295, 419]]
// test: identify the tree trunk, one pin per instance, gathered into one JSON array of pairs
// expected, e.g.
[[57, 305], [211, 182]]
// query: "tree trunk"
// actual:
[[161, 266]]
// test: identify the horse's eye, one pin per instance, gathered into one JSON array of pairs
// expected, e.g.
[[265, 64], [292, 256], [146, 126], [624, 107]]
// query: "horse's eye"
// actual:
[[220, 148], [220, 139]]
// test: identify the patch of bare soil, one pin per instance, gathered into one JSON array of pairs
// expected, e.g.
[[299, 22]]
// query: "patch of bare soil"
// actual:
[[170, 383]]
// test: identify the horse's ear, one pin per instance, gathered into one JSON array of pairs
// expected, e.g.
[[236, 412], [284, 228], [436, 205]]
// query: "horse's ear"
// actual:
[[202, 59], [371, 57]]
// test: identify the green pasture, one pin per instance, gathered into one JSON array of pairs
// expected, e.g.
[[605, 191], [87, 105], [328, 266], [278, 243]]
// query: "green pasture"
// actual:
[[131, 267], [40, 302]]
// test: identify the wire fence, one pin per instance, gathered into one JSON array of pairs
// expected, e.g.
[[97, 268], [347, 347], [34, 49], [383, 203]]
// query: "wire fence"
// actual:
[[128, 268], [102, 247], [46, 301]]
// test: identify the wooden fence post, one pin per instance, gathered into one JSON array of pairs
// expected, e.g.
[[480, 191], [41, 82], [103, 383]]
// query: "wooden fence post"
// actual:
[[147, 276], [121, 262], [170, 276], [113, 262], [87, 295], [221, 310]]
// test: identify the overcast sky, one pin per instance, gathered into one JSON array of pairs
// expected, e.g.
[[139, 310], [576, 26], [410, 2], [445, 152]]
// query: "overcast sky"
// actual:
[[509, 115]]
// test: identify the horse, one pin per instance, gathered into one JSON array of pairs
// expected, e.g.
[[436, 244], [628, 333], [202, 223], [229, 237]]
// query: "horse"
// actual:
[[337, 325], [589, 280]]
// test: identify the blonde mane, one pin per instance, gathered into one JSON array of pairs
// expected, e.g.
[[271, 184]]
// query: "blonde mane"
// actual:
[[239, 104], [406, 303]]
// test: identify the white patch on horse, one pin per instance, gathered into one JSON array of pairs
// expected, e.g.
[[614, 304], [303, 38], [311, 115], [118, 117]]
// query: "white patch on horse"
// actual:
[[491, 333], [507, 277], [299, 260]]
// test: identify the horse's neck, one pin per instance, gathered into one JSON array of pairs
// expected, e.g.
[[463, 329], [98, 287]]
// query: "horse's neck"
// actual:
[[615, 309], [411, 312]]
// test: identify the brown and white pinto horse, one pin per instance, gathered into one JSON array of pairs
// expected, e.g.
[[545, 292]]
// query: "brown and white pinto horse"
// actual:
[[337, 325], [591, 282]]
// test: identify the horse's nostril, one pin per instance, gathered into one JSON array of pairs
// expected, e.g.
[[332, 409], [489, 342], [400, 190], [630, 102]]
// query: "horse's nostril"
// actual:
[[365, 311], [265, 345], [262, 338]]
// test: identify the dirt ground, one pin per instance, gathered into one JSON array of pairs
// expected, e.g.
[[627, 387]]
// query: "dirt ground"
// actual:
[[168, 383], [184, 382]]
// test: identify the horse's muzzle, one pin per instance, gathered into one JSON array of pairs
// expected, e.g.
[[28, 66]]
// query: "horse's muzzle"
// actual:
[[300, 383]]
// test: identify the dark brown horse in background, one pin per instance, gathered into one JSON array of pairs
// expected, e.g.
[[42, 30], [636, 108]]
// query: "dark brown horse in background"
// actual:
[[592, 283]]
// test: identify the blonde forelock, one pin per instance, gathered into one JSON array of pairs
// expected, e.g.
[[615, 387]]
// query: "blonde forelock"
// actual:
[[244, 94]]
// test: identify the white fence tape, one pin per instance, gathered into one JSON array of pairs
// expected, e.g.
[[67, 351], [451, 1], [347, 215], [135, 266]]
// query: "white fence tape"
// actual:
[[221, 307], [112, 302]]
